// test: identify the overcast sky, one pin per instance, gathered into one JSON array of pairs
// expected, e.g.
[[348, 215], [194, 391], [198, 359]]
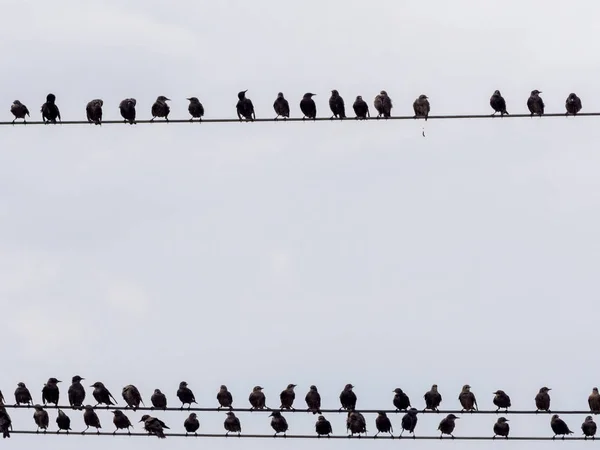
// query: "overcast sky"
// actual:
[[309, 253]]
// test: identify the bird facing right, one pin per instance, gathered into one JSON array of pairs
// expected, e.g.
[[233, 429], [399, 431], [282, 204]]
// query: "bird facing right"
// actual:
[[308, 106], [257, 398], [559, 427], [501, 428], [573, 104], [421, 106], [185, 395], [432, 398], [287, 397], [447, 425], [542, 400], [535, 103], [348, 398], [191, 424], [594, 401], [467, 399], [323, 427], [50, 391], [160, 108]]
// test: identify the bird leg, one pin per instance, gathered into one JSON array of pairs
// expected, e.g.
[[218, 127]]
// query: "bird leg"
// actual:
[[152, 120], [83, 432], [115, 432], [374, 437]]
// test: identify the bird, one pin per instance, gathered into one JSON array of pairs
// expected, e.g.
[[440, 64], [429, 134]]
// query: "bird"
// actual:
[[5, 423], [278, 423], [232, 424], [559, 427], [49, 110], [63, 421], [498, 103], [348, 398], [127, 109], [323, 427], [195, 108], [501, 400], [50, 391], [154, 426], [355, 423], [191, 424], [224, 397], [383, 105], [447, 425], [91, 419], [336, 104], [542, 400], [257, 398], [185, 395], [589, 428], [594, 401], [244, 107], [401, 400], [93, 111], [22, 395], [287, 397], [160, 108], [383, 424], [308, 106], [535, 103], [102, 395], [41, 419], [573, 104], [158, 399], [432, 399], [132, 396], [313, 400], [421, 106], [19, 110], [281, 107], [501, 428], [361, 108], [76, 392], [121, 421], [409, 421], [467, 399]]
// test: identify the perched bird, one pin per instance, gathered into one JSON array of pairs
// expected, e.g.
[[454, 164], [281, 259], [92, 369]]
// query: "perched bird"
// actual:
[[63, 421], [50, 111], [185, 395], [559, 427], [91, 419], [257, 398], [287, 397], [102, 395], [195, 108], [19, 110], [244, 107], [127, 109], [383, 424], [432, 398], [313, 400], [191, 424], [154, 426], [323, 427], [361, 108], [5, 423], [158, 399], [498, 103], [467, 399], [41, 418], [22, 394], [421, 106], [409, 421], [401, 400], [383, 105], [336, 104], [121, 421], [278, 423], [501, 427], [594, 401], [573, 104], [501, 400], [50, 392], [447, 425], [160, 108], [76, 392], [356, 423], [93, 111], [281, 107], [224, 397], [535, 103], [589, 427], [542, 400], [132, 396], [348, 398], [232, 424], [308, 106]]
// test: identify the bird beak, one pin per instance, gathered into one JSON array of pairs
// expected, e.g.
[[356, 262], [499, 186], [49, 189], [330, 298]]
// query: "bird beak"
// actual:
[[168, 99], [140, 421], [539, 92], [245, 91], [92, 386], [58, 381], [507, 420], [457, 418], [188, 99]]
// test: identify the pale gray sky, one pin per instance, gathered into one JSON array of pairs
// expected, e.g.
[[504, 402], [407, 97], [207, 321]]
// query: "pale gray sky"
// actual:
[[316, 253]]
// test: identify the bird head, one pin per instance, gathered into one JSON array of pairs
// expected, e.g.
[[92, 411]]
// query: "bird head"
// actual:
[[291, 386], [223, 387], [359, 98], [50, 98], [503, 420], [257, 388], [554, 417], [466, 388], [589, 419], [183, 384], [398, 391], [452, 417], [434, 387], [383, 93], [21, 384], [88, 408], [382, 413], [497, 92], [334, 93], [53, 381], [162, 98], [38, 407], [97, 385], [423, 97], [77, 379], [16, 102], [144, 418], [242, 94], [193, 415], [595, 390], [544, 390], [275, 414], [313, 388], [230, 414], [535, 92], [280, 95], [348, 387]]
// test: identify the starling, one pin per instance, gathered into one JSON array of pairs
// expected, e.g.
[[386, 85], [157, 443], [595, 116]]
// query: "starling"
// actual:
[[409, 421], [22, 395], [559, 427], [76, 392], [244, 107], [535, 103], [132, 396], [281, 107], [383, 105], [257, 398], [224, 397], [195, 109], [542, 400], [154, 426], [401, 400], [589, 428], [5, 423], [158, 399], [421, 106], [573, 104], [19, 110], [361, 108], [41, 419], [432, 398], [498, 103], [501, 400], [91, 419], [278, 423], [127, 109], [594, 401], [467, 399], [63, 421], [383, 424], [323, 427], [308, 106], [49, 110], [191, 424], [447, 425], [121, 421], [93, 111], [160, 108], [287, 397], [336, 104], [313, 400], [232, 424], [348, 398], [102, 395], [50, 392], [355, 423], [185, 395], [501, 428]]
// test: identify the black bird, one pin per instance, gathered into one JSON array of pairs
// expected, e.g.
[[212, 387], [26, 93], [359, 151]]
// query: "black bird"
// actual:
[[41, 418], [573, 104], [76, 392], [594, 401], [50, 392], [501, 428], [383, 424], [467, 399], [127, 109], [501, 400], [348, 398], [5, 423], [191, 424], [313, 400], [383, 105], [308, 106], [257, 398], [224, 397], [409, 421], [102, 395], [447, 425], [559, 427], [121, 421], [498, 103], [91, 419], [160, 108], [281, 107], [361, 108], [432, 398], [154, 426], [63, 421], [22, 394], [323, 427], [244, 107], [19, 110], [185, 395], [132, 396], [421, 106], [50, 111], [401, 400], [287, 397], [355, 423], [542, 400], [278, 423], [589, 428], [232, 424], [158, 399], [336, 104], [93, 111], [195, 108], [535, 103]]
